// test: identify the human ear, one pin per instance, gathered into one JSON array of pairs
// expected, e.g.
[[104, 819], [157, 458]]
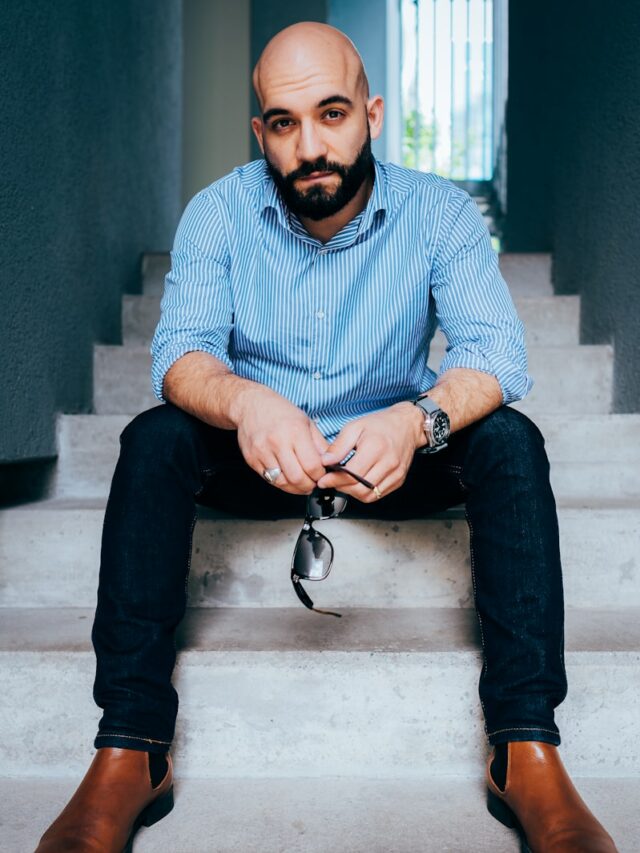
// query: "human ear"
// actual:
[[256, 126], [375, 115]]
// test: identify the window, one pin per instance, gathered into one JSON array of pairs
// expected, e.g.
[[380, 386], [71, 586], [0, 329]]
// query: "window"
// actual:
[[447, 61]]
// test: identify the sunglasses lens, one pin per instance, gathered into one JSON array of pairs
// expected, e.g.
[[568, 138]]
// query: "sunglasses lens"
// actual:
[[325, 505], [313, 555]]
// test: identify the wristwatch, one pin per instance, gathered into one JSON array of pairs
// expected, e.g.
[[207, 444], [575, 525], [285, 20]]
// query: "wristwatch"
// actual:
[[436, 424]]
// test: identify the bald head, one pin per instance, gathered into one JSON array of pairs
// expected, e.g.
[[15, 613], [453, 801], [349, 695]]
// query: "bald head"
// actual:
[[306, 55]]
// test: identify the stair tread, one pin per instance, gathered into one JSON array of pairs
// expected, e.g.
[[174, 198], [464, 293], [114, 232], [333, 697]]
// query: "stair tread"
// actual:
[[352, 815], [424, 630]]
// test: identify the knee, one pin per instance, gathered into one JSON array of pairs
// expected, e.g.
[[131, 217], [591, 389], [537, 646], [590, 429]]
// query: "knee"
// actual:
[[159, 428], [507, 433]]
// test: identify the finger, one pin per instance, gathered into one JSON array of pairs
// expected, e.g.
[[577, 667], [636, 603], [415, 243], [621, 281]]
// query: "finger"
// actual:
[[343, 444], [384, 472], [293, 471], [367, 455], [386, 480], [320, 442], [308, 454], [271, 461]]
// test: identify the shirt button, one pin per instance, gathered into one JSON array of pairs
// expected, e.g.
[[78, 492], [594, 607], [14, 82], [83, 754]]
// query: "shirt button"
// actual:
[[316, 419], [319, 314], [317, 375]]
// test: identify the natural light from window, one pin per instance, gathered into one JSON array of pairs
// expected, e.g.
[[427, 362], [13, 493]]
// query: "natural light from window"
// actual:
[[447, 87]]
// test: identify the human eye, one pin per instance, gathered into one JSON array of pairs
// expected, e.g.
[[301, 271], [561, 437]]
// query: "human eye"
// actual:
[[278, 123], [334, 114]]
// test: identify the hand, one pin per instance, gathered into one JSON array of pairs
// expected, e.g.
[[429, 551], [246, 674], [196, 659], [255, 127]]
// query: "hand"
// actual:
[[273, 432], [385, 443]]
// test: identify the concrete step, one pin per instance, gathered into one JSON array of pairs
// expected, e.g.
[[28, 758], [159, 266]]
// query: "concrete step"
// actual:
[[548, 320], [311, 816], [590, 454], [286, 692], [155, 265], [527, 274], [50, 554], [122, 379]]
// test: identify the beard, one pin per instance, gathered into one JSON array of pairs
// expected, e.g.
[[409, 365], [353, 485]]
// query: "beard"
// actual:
[[317, 203]]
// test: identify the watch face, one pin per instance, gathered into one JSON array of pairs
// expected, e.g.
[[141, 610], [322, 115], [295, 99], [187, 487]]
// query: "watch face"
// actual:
[[440, 428]]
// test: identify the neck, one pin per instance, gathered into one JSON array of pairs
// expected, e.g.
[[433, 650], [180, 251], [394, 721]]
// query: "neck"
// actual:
[[325, 229]]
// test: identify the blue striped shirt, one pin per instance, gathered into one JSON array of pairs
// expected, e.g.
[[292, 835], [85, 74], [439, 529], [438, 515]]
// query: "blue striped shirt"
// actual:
[[341, 329]]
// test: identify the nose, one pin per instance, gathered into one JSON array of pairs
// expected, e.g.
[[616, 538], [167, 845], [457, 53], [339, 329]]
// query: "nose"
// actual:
[[310, 143]]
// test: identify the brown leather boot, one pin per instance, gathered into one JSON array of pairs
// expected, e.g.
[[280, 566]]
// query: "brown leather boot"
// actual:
[[115, 798], [540, 801]]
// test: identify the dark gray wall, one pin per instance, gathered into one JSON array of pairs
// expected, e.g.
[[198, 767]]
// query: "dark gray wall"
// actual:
[[574, 164], [266, 20], [90, 109], [528, 183]]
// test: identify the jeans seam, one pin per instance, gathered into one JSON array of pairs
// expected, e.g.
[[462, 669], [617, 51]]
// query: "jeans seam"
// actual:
[[205, 473], [133, 737], [475, 599]]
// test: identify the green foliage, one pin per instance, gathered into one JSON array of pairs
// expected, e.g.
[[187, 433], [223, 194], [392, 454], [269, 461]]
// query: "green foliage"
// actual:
[[419, 140]]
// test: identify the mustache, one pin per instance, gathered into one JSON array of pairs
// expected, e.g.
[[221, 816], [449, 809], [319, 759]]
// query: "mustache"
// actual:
[[319, 165]]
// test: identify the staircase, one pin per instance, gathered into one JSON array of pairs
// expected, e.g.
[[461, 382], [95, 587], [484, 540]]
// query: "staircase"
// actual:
[[298, 732]]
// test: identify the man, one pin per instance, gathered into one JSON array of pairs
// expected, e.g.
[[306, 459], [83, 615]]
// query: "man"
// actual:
[[303, 295]]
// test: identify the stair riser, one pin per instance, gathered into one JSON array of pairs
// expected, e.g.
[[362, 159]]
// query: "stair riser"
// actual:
[[122, 379], [318, 714], [553, 321], [51, 558]]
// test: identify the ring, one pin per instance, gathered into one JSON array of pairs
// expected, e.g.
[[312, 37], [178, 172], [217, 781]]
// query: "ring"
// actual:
[[271, 474], [377, 491]]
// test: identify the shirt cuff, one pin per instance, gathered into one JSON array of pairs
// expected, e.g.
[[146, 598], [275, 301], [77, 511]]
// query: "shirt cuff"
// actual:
[[513, 379], [163, 360]]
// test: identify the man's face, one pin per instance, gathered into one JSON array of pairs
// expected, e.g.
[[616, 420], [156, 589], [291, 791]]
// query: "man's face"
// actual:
[[317, 143], [318, 198]]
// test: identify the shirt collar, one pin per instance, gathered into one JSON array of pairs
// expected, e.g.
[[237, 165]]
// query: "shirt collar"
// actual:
[[378, 200]]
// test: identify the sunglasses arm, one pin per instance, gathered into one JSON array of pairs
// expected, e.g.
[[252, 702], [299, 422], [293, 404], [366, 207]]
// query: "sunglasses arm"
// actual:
[[304, 598]]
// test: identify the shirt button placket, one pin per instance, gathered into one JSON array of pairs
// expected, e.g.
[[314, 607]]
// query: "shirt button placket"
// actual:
[[319, 313]]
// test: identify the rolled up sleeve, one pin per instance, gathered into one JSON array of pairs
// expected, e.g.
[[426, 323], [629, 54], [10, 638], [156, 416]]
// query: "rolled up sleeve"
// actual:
[[473, 305], [196, 310]]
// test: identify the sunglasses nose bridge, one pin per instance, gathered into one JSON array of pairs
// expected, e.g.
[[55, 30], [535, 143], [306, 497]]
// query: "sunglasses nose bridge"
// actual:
[[322, 505]]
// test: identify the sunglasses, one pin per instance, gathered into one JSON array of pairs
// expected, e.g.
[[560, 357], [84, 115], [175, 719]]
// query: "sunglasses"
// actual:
[[313, 554]]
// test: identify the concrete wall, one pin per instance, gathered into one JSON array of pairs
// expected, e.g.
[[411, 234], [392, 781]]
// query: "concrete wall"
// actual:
[[529, 147], [91, 111], [216, 90], [574, 164]]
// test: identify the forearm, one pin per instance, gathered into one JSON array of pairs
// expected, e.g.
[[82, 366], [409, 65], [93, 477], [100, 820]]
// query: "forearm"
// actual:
[[202, 385], [465, 395]]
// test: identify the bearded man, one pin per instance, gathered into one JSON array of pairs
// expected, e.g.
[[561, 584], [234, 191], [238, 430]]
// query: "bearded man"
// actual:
[[304, 291]]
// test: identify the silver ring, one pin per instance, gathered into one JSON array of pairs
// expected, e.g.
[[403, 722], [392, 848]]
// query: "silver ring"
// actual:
[[377, 492], [271, 474]]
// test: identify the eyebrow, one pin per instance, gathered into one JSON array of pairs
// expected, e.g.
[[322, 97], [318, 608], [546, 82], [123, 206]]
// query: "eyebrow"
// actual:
[[332, 99]]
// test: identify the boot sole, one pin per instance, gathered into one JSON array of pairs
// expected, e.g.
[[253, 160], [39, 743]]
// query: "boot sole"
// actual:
[[154, 812], [501, 812]]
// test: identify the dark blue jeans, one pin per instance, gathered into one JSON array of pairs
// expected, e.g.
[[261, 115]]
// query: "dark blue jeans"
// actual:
[[171, 461]]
